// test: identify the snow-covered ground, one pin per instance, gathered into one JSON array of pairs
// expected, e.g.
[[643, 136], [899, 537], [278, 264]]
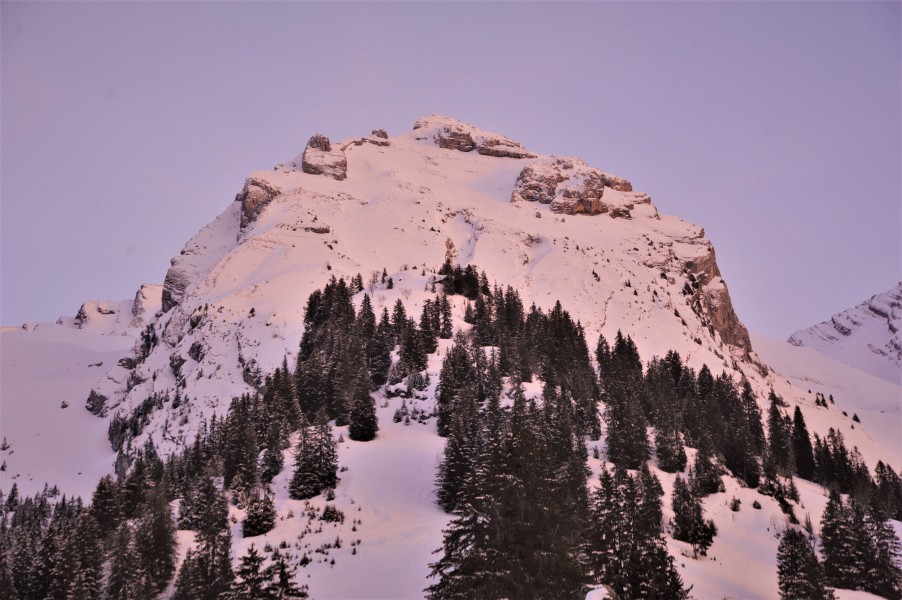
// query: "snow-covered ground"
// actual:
[[41, 369]]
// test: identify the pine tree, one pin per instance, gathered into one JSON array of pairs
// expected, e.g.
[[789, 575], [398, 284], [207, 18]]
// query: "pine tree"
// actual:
[[798, 569], [261, 514], [457, 372], [106, 505], [252, 580], [779, 437], [688, 523], [207, 570], [272, 462], [316, 461], [78, 572], [7, 586], [460, 450], [283, 585], [155, 540], [125, 572], [801, 444], [837, 544], [363, 424], [883, 574], [627, 552], [705, 474]]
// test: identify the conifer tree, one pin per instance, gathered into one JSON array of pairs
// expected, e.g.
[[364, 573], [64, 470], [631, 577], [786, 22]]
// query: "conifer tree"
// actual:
[[316, 461], [838, 546], [125, 579], [206, 572], [155, 540], [798, 569], [7, 587], [457, 372], [252, 580], [446, 330], [689, 524], [106, 505], [460, 450], [801, 444], [78, 571], [283, 586], [261, 514], [883, 574], [779, 437], [363, 424]]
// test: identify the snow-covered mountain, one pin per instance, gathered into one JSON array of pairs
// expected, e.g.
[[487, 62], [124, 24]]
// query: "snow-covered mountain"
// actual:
[[232, 306], [554, 228], [867, 336]]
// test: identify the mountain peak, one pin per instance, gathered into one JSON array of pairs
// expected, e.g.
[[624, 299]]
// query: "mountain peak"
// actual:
[[867, 336], [450, 133]]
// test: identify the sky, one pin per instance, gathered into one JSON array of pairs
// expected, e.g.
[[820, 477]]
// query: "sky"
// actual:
[[126, 127]]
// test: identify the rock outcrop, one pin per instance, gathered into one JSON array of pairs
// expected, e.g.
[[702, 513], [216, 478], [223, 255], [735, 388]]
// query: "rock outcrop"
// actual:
[[572, 187], [377, 138], [452, 134], [320, 159], [254, 197], [174, 285], [148, 301], [93, 309]]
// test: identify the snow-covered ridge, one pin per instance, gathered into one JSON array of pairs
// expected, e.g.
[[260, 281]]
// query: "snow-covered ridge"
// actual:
[[867, 336]]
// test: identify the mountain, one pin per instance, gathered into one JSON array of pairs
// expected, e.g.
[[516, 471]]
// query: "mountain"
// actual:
[[553, 228], [867, 336], [392, 210]]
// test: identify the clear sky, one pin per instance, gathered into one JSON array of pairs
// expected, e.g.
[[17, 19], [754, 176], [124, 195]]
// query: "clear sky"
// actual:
[[125, 127]]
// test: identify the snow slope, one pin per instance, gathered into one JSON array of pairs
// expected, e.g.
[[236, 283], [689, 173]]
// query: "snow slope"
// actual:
[[866, 336], [877, 402]]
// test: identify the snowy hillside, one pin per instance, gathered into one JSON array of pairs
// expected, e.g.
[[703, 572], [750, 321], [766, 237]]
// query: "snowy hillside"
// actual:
[[231, 309], [868, 336]]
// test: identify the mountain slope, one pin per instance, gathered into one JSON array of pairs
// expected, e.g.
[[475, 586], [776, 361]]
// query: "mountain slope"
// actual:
[[867, 336], [235, 294], [231, 309]]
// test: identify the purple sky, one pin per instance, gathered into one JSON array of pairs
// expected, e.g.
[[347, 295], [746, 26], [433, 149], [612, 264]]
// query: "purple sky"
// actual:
[[776, 126]]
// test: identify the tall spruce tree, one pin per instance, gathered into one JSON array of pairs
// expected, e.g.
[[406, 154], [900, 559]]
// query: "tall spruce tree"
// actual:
[[883, 573], [316, 461], [798, 569], [689, 524], [252, 580], [801, 444], [363, 424], [155, 540], [206, 572], [126, 580]]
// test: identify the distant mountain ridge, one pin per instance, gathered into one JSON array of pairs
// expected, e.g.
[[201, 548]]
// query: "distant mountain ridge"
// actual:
[[867, 336]]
